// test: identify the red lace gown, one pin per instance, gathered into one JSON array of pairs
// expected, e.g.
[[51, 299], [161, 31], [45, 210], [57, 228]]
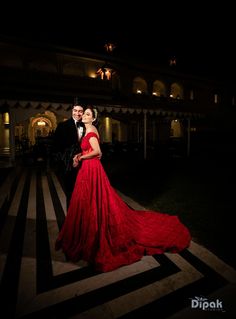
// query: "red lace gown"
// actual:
[[101, 229]]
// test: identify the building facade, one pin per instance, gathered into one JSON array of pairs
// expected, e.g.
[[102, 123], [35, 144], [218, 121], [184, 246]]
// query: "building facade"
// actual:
[[138, 104]]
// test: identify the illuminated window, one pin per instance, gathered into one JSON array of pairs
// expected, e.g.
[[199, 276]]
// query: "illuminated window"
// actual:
[[108, 73], [159, 88], [139, 86], [110, 46], [105, 73]]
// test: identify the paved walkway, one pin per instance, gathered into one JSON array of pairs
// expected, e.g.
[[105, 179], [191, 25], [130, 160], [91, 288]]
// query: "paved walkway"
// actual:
[[37, 281]]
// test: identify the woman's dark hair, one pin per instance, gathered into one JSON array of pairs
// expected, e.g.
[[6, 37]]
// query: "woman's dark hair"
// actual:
[[94, 113]]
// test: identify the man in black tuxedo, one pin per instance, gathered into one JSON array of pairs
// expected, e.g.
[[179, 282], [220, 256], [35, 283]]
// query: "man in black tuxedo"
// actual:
[[66, 144]]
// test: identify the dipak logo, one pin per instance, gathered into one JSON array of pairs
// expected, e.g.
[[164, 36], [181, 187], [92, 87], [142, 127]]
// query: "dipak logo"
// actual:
[[203, 303]]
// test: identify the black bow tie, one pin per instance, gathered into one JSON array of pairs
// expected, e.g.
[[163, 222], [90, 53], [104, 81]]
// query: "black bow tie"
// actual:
[[78, 124]]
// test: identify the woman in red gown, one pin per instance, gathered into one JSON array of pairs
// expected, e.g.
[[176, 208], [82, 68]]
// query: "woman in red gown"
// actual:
[[100, 228]]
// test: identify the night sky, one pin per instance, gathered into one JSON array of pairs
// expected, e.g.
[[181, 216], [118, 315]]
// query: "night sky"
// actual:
[[201, 39]]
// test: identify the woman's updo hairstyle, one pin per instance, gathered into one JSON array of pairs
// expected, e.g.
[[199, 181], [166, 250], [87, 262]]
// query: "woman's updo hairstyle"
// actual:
[[94, 113]]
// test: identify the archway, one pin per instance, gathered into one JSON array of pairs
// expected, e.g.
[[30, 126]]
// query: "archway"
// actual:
[[176, 130], [42, 125]]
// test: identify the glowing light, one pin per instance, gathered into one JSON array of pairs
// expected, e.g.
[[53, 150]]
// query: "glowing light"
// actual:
[[105, 72], [6, 118], [41, 123], [110, 47], [92, 75]]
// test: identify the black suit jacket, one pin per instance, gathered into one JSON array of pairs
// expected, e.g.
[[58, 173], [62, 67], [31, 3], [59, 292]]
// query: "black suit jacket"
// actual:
[[66, 143]]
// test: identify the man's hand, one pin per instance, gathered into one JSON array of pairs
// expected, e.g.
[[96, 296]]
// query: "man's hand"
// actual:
[[76, 159]]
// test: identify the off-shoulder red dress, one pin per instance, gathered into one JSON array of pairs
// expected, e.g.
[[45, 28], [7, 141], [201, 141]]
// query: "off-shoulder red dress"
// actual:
[[103, 230]]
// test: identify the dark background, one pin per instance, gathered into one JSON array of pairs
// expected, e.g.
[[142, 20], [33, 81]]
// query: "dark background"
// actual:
[[200, 38]]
